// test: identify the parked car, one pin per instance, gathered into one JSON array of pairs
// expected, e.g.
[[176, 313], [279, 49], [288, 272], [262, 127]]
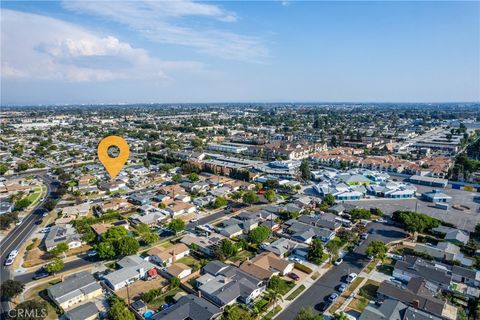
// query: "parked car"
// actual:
[[13, 254], [342, 287], [193, 220], [381, 220], [92, 253], [9, 261], [19, 222], [322, 306], [333, 297], [338, 261], [352, 276], [40, 275], [364, 236], [293, 276]]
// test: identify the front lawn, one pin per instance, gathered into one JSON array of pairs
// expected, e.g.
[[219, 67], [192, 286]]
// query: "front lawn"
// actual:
[[272, 313], [285, 286], [295, 293]]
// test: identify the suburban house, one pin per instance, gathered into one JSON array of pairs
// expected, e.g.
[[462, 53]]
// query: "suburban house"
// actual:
[[86, 311], [266, 265], [63, 233], [469, 277], [282, 247], [394, 310], [306, 233], [150, 219], [444, 250], [167, 256], [206, 245], [75, 289], [101, 228], [224, 285], [80, 210], [452, 235], [324, 220], [437, 276], [179, 207], [179, 270], [132, 268], [417, 295], [189, 307]]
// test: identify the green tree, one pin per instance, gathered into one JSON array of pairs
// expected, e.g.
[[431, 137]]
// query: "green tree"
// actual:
[[250, 197], [340, 316], [274, 283], [174, 282], [105, 250], [271, 196], [259, 234], [176, 225], [119, 310], [176, 178], [31, 310], [236, 312], [415, 222], [227, 248], [273, 297], [308, 314], [305, 170], [55, 266], [3, 168], [50, 204], [22, 166], [127, 246], [376, 249], [376, 212], [193, 177], [315, 251], [11, 288], [329, 199], [149, 237], [22, 204], [220, 202], [333, 247], [360, 213], [115, 233], [61, 248]]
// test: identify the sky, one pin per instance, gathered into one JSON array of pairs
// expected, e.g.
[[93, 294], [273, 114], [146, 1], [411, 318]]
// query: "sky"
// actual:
[[81, 52]]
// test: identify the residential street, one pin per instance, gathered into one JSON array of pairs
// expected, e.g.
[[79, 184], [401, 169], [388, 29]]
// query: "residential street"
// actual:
[[352, 262]]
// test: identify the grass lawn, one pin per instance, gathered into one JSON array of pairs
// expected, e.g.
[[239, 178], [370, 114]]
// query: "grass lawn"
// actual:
[[358, 303], [370, 266], [272, 313], [161, 299], [295, 293], [242, 255], [369, 289], [188, 260], [386, 269], [315, 276], [285, 286]]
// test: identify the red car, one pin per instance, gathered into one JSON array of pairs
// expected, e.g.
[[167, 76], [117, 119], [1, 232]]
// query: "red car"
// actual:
[[293, 276]]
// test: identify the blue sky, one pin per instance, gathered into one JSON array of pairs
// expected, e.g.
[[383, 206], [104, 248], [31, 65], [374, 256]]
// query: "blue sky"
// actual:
[[185, 51]]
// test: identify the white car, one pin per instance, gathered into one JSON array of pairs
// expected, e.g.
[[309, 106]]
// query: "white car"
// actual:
[[45, 230], [13, 254], [19, 222], [193, 220], [9, 261], [338, 261], [352, 276], [381, 220]]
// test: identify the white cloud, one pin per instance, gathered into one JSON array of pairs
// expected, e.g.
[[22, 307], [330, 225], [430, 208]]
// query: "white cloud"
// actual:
[[39, 47], [160, 21]]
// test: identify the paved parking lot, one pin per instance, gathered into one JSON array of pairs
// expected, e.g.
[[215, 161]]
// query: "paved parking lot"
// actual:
[[463, 219]]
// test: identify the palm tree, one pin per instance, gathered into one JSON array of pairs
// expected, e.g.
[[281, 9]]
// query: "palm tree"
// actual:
[[273, 297]]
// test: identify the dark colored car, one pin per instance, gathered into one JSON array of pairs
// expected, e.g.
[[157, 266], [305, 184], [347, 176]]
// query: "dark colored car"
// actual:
[[40, 275], [293, 276], [322, 306]]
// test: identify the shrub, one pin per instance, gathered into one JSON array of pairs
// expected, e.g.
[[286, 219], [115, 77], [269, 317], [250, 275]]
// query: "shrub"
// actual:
[[303, 268]]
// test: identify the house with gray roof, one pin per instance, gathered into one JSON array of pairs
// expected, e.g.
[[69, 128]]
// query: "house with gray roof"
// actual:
[[189, 307], [87, 311], [435, 274], [467, 276], [62, 233], [305, 233], [229, 285], [452, 235], [392, 309], [132, 268], [75, 289]]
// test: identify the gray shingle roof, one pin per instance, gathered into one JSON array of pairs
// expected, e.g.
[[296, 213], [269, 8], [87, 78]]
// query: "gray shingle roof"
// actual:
[[189, 307], [82, 312], [74, 285]]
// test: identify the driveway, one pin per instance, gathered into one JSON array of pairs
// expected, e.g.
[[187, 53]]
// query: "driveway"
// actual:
[[352, 262]]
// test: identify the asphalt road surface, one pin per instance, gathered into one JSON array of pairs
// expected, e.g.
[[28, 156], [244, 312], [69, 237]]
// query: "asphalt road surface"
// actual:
[[352, 262]]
